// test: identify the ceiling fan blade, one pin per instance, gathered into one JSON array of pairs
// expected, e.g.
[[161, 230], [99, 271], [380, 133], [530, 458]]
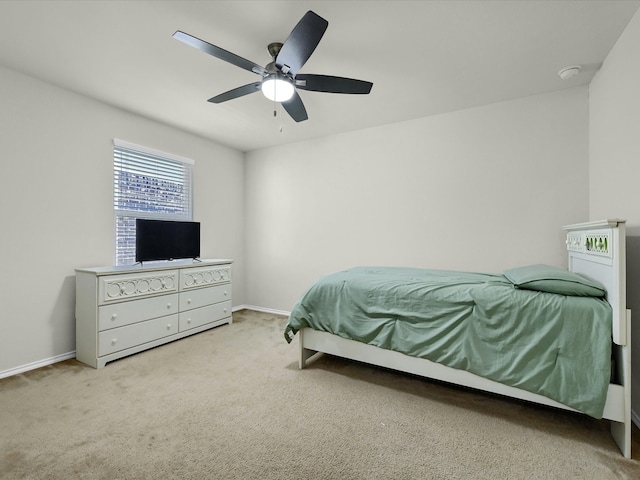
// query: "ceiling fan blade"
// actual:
[[219, 53], [331, 84], [236, 92], [295, 108], [301, 43]]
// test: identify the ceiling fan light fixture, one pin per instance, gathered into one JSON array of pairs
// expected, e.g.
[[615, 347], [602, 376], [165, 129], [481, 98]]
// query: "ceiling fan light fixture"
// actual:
[[277, 89]]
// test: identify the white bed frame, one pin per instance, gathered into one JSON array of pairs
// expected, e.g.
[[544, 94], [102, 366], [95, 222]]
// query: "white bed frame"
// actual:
[[596, 249]]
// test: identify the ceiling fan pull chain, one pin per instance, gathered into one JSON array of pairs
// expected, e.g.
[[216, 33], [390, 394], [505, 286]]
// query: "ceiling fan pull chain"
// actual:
[[275, 108], [275, 104]]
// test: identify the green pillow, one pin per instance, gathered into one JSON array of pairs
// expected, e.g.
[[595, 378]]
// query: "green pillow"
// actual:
[[544, 278]]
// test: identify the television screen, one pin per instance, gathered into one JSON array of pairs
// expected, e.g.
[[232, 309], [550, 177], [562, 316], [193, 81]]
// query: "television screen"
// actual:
[[166, 240]]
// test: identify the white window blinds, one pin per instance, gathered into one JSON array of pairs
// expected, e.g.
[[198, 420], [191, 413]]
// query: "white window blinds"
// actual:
[[147, 184]]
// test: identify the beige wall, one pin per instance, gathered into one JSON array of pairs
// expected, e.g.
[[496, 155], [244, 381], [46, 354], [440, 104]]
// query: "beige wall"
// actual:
[[481, 189], [56, 206], [614, 163]]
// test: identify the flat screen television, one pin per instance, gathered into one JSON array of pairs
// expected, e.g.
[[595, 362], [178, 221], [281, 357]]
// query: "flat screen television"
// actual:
[[166, 240]]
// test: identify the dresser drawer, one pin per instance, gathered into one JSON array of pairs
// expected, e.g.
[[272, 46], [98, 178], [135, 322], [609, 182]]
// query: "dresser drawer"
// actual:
[[125, 313], [200, 297], [117, 339], [116, 288], [204, 276], [201, 316]]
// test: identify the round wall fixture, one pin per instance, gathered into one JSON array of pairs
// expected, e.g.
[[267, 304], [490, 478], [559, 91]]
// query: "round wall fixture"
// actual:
[[567, 72]]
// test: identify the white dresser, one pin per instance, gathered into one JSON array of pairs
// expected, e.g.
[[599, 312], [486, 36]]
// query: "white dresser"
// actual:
[[124, 310]]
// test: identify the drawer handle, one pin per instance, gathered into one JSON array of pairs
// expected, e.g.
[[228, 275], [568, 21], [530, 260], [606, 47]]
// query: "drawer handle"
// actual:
[[168, 326], [114, 341], [189, 301], [188, 320], [168, 305], [225, 293], [114, 316], [225, 310]]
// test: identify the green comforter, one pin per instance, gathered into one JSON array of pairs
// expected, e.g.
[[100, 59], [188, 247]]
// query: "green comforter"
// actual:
[[554, 345]]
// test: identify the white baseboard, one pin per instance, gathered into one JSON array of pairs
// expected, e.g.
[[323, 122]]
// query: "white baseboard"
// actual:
[[262, 309], [38, 364]]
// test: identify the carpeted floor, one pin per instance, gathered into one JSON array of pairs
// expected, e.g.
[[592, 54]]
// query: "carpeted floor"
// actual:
[[230, 403]]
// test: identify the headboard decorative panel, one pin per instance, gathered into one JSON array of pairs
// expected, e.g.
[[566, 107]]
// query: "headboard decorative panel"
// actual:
[[597, 250]]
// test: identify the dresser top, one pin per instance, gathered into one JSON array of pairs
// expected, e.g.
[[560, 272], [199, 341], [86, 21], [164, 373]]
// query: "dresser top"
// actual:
[[151, 266]]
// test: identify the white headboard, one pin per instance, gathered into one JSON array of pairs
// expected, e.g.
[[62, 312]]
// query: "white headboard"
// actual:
[[597, 250]]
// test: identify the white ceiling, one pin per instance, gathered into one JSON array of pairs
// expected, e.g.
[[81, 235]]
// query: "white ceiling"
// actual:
[[423, 57]]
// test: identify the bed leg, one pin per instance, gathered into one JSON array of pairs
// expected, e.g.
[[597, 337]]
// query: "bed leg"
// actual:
[[305, 353], [621, 431]]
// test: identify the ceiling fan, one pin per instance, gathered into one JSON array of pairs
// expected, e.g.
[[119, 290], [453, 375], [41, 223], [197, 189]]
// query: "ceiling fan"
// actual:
[[280, 78]]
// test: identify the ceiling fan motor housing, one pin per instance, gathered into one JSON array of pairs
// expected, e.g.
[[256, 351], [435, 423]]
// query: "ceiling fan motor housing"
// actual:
[[276, 85]]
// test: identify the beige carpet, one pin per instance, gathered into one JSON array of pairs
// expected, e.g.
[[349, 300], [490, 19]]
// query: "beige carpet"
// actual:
[[230, 403]]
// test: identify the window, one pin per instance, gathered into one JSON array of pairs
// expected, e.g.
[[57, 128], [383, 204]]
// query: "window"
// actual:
[[147, 184]]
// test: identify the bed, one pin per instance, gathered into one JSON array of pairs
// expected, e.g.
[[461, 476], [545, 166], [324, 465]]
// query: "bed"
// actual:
[[557, 337]]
